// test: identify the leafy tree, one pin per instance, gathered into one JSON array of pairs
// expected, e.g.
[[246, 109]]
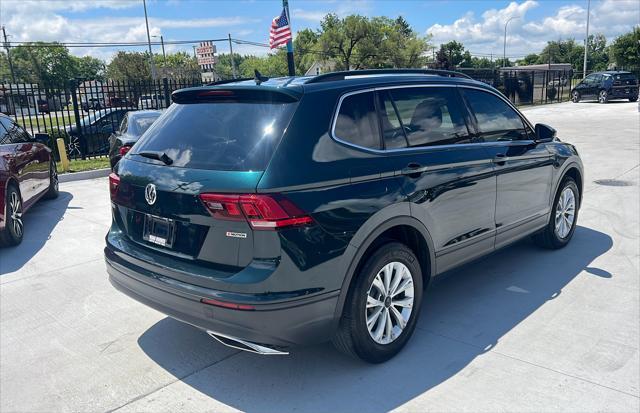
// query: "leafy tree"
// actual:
[[451, 55], [271, 65], [88, 67], [179, 65], [625, 50], [503, 62], [562, 51], [342, 39], [49, 65], [598, 58], [481, 63], [129, 66], [530, 59], [305, 46], [223, 67], [402, 45]]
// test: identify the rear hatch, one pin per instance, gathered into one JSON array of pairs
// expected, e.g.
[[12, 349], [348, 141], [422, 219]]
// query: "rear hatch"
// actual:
[[185, 193], [625, 84]]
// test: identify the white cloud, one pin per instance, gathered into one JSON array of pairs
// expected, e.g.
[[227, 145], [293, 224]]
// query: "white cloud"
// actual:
[[342, 9], [486, 34]]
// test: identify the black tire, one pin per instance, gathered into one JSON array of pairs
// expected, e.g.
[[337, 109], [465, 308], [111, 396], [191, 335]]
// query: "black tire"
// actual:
[[549, 237], [13, 232], [353, 337], [53, 191], [633, 99], [575, 96], [603, 96]]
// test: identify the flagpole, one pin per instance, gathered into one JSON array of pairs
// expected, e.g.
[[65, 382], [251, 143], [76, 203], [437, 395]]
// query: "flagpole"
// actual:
[[290, 62]]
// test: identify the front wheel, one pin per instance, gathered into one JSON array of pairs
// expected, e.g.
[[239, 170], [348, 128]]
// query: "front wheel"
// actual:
[[14, 227], [633, 99], [382, 307], [603, 96], [564, 216]]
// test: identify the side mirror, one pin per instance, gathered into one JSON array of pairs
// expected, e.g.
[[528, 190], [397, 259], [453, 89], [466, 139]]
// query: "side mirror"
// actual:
[[42, 138], [545, 133]]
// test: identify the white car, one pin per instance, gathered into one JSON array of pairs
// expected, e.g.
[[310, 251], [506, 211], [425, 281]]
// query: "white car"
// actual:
[[151, 102]]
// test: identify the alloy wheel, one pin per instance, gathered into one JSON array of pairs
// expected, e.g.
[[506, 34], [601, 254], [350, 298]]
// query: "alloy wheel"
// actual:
[[575, 97], [602, 96], [15, 212], [390, 302], [54, 177], [565, 213]]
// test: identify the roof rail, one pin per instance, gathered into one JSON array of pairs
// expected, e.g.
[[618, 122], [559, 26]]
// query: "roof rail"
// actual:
[[333, 76]]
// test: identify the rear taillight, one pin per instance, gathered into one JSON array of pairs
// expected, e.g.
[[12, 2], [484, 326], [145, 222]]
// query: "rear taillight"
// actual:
[[114, 183], [263, 212], [124, 149]]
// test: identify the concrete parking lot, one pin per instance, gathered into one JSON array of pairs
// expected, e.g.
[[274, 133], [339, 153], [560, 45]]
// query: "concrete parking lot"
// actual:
[[522, 330]]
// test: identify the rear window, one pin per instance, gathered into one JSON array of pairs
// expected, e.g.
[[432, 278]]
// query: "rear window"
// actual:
[[231, 136], [624, 76], [141, 123]]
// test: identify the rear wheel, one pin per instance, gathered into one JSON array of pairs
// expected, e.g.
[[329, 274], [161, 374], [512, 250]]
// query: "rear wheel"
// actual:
[[53, 182], [575, 96], [14, 228], [633, 99], [564, 217], [603, 96], [382, 308]]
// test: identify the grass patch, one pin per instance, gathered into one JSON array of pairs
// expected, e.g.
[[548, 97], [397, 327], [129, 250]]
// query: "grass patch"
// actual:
[[80, 165]]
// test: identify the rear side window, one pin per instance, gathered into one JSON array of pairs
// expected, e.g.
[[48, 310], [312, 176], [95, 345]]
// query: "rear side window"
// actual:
[[497, 121], [357, 121], [232, 136], [426, 115]]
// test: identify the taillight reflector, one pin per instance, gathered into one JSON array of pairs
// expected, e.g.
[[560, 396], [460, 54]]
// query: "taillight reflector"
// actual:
[[263, 212], [114, 183], [124, 149]]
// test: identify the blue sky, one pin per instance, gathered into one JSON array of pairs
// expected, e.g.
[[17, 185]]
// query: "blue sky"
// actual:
[[479, 24]]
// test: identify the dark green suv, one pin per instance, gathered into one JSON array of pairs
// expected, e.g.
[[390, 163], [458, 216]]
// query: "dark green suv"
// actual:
[[290, 211]]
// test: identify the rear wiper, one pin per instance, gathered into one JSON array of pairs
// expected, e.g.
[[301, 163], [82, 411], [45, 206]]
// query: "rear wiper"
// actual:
[[160, 156]]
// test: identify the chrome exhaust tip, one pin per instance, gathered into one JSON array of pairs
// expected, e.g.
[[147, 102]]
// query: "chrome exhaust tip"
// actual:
[[245, 345]]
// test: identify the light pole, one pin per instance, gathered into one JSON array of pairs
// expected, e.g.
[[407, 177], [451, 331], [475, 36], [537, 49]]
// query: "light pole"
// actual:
[[146, 21], [586, 42], [164, 56], [504, 48]]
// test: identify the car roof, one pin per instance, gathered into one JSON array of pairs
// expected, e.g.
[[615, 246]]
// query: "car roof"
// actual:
[[613, 72], [298, 85]]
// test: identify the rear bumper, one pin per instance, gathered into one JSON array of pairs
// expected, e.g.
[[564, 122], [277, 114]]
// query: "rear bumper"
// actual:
[[282, 325]]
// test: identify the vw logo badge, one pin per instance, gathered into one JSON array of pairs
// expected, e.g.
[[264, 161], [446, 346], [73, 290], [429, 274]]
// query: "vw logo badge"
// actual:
[[150, 194]]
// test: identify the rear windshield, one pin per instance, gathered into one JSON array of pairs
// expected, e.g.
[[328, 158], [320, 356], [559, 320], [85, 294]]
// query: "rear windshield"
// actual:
[[227, 136], [141, 123]]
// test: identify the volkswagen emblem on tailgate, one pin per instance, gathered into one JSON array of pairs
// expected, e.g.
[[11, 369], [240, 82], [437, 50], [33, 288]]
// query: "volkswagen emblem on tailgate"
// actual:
[[150, 194]]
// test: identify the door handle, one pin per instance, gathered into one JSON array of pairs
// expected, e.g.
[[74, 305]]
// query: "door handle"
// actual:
[[500, 159], [414, 170]]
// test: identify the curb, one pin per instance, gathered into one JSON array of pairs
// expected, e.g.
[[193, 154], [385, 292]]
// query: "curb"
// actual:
[[79, 176]]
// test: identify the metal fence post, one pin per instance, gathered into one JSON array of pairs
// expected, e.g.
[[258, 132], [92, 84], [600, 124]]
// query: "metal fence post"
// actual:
[[167, 93], [76, 113]]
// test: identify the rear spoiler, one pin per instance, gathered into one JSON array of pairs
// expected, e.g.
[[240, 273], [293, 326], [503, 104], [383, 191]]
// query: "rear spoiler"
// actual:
[[235, 94]]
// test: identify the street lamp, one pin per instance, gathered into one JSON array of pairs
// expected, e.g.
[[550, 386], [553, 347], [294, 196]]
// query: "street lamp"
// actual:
[[146, 21], [504, 49]]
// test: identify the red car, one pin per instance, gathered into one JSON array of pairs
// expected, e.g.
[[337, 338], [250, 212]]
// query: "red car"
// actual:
[[27, 173]]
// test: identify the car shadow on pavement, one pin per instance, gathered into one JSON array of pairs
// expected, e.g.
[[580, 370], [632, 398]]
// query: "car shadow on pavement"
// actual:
[[465, 313], [39, 222]]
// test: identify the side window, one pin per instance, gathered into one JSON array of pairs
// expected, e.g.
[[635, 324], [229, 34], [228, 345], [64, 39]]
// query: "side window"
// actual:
[[497, 121], [357, 122], [123, 125], [427, 116], [15, 134], [392, 130], [590, 80], [3, 132]]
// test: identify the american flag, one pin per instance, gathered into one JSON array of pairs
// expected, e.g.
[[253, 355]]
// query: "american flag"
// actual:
[[280, 32]]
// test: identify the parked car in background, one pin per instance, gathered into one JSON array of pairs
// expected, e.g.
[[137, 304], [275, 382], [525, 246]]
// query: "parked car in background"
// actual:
[[132, 127], [606, 86], [92, 104], [43, 106], [151, 102], [95, 130], [290, 211], [27, 173], [119, 102]]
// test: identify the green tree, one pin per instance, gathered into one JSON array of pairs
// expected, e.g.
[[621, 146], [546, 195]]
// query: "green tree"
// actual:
[[50, 65], [625, 50], [271, 65], [341, 40], [451, 55], [481, 63], [306, 52], [179, 65], [223, 67], [129, 66], [88, 67], [562, 51], [530, 59]]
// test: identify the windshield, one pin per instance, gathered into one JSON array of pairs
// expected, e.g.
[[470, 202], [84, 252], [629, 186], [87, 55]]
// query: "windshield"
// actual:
[[232, 136], [88, 120]]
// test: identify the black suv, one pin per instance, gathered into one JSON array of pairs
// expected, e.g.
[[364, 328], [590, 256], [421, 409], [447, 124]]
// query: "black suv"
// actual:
[[283, 212], [605, 86]]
